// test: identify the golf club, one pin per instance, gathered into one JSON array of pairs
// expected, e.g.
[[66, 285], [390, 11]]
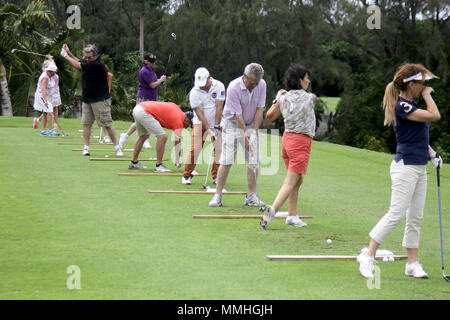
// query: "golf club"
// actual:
[[254, 143], [174, 36], [209, 165], [446, 277], [59, 126], [30, 52]]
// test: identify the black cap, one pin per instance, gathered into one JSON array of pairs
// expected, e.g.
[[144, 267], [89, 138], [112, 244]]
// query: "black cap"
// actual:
[[189, 115], [150, 57]]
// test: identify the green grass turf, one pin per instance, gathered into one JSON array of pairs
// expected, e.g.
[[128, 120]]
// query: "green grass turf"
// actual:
[[59, 209], [331, 102]]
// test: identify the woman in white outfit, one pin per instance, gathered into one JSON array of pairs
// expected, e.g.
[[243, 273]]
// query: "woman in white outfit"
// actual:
[[47, 96], [408, 169]]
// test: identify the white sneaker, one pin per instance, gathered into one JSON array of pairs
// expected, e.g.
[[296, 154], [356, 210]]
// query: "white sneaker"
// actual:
[[162, 168], [106, 139], [216, 201], [295, 221], [253, 201], [269, 214], [119, 152], [123, 139], [86, 151], [214, 182], [365, 265], [147, 145], [186, 180], [415, 270], [137, 166]]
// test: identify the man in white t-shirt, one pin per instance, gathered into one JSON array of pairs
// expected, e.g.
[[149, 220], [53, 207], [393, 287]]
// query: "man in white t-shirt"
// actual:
[[206, 98]]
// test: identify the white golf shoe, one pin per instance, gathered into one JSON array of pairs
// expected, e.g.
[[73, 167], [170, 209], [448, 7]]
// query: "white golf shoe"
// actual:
[[86, 151], [147, 145], [366, 265], [253, 201], [162, 168], [216, 201], [415, 270], [186, 180], [136, 166], [106, 139], [123, 139], [295, 221], [269, 215]]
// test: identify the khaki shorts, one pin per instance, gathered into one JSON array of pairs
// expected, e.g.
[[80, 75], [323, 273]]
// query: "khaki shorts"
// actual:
[[100, 111], [231, 137], [146, 123]]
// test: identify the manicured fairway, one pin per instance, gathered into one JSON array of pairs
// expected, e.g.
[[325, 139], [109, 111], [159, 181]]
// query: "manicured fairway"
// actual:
[[58, 209]]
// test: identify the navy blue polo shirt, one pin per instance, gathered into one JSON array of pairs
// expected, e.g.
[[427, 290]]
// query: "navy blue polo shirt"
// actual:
[[412, 136]]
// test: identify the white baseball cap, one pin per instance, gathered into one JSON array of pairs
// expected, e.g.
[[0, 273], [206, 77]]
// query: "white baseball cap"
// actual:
[[201, 76], [51, 67]]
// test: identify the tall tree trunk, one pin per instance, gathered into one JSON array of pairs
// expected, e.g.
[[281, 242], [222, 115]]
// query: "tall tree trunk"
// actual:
[[6, 99], [141, 36]]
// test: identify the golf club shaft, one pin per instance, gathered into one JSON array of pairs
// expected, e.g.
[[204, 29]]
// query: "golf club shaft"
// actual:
[[209, 165], [440, 216], [30, 52]]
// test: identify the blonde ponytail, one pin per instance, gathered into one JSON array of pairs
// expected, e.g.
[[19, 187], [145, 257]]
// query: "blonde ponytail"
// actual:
[[389, 101]]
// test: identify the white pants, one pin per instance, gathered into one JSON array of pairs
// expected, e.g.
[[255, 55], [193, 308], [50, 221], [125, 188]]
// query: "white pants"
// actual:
[[409, 189]]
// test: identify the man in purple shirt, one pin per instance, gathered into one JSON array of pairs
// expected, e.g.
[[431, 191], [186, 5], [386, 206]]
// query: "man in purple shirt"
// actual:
[[148, 91], [148, 81], [242, 117]]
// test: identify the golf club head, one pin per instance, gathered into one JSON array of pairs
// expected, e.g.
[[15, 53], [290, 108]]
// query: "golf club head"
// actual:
[[174, 36], [13, 50], [204, 186], [446, 277]]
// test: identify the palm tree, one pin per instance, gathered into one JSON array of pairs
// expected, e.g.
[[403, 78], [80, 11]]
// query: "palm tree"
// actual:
[[6, 106], [23, 29]]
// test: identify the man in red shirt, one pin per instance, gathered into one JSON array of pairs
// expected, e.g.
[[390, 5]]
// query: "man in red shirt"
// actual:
[[151, 117]]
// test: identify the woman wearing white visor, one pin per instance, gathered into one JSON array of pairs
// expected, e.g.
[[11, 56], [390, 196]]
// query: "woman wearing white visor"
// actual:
[[47, 87], [408, 169]]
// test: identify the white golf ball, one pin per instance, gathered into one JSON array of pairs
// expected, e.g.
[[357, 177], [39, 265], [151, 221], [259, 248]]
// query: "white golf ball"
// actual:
[[329, 241], [106, 156], [385, 259], [391, 259]]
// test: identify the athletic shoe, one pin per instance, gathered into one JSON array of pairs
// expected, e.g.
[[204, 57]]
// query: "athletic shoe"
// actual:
[[45, 133], [86, 152], [106, 139], [137, 166], [55, 127], [186, 180], [415, 270], [119, 152], [216, 201], [147, 145], [35, 123], [269, 214], [123, 139], [365, 265], [53, 133], [253, 201], [295, 221], [214, 181], [162, 168]]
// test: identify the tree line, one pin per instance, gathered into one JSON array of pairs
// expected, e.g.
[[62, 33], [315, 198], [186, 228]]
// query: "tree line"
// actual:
[[331, 38]]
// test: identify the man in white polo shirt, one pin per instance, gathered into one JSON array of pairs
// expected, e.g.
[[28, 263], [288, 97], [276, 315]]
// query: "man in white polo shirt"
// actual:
[[206, 99], [242, 117]]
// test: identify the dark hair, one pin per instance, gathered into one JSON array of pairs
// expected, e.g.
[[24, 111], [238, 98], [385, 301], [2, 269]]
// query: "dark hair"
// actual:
[[293, 75]]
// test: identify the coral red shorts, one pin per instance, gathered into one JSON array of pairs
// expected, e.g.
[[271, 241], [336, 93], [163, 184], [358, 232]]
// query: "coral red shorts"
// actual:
[[295, 150]]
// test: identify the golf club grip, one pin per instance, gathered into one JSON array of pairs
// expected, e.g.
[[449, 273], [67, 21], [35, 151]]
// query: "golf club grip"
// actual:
[[438, 177]]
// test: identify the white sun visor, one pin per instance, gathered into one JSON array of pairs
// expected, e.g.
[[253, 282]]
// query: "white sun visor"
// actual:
[[417, 77]]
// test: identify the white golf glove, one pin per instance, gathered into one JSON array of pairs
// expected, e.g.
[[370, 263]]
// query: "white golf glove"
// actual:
[[64, 53], [436, 160]]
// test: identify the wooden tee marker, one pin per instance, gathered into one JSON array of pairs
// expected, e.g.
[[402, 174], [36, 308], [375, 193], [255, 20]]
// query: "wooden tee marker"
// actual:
[[156, 174], [112, 150], [122, 159], [80, 143], [301, 257], [194, 192], [221, 216]]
